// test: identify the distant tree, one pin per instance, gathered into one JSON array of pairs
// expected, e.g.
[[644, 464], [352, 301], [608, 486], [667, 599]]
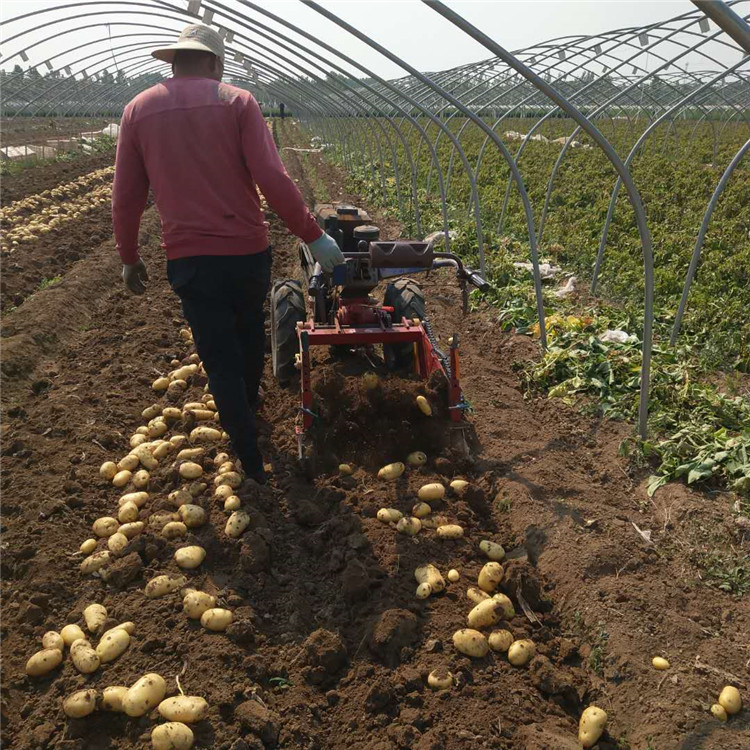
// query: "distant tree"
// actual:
[[120, 78], [107, 77], [17, 69], [33, 73]]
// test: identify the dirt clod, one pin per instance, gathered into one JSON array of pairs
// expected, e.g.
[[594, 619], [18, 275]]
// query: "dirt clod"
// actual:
[[259, 720], [324, 656], [392, 631]]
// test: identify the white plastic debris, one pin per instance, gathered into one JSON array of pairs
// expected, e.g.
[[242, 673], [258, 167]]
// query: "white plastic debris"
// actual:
[[112, 130], [513, 135], [546, 270], [571, 287], [615, 336], [439, 236]]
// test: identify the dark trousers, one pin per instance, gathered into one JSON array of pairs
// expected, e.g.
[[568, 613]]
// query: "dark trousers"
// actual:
[[222, 298]]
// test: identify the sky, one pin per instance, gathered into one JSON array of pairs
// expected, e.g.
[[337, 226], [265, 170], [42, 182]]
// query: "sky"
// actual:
[[407, 27]]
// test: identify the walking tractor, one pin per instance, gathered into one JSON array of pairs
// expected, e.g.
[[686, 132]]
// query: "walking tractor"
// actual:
[[339, 311]]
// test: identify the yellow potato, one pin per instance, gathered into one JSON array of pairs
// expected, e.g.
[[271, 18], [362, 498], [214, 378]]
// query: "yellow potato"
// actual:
[[409, 526], [660, 663], [391, 471], [424, 590], [186, 454], [130, 530], [160, 384], [492, 550], [185, 708], [225, 467], [500, 640], [157, 427], [421, 510], [43, 661], [390, 515], [105, 526], [508, 610], [189, 558], [190, 470], [113, 644], [196, 603], [450, 531], [490, 577], [232, 503], [180, 497], [145, 694], [171, 412], [730, 700], [52, 639], [94, 562], [178, 440], [121, 478], [112, 697], [158, 520], [345, 470], [216, 619], [430, 574], [205, 434], [71, 633], [138, 498], [417, 458], [84, 658], [521, 652], [137, 440], [223, 491], [128, 463], [221, 458], [370, 380], [108, 470], [151, 411], [591, 726], [172, 736], [163, 450], [484, 614], [236, 524], [128, 513], [80, 704], [140, 479], [440, 679], [471, 643], [232, 478], [163, 585], [719, 712], [424, 406], [174, 530], [142, 430], [95, 615], [434, 491], [453, 575], [145, 456], [192, 515], [88, 546], [459, 486]]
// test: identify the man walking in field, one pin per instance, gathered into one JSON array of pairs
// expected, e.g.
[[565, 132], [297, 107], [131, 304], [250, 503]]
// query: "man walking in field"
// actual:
[[204, 149]]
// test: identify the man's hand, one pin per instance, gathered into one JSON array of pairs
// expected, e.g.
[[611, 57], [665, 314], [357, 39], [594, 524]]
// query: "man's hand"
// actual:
[[326, 251], [134, 277]]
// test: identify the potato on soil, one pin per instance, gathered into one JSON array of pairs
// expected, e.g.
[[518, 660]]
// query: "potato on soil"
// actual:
[[423, 591], [477, 595], [88, 546], [345, 470], [145, 456], [421, 510], [226, 467], [172, 736], [409, 526], [170, 412], [591, 726], [718, 712], [484, 614], [659, 662], [151, 411], [43, 661], [471, 643], [137, 498], [108, 470], [163, 585], [220, 459], [492, 550], [500, 640], [95, 616], [223, 491], [490, 577], [390, 515], [80, 704], [459, 486], [192, 515], [521, 652], [391, 472], [232, 503], [187, 454], [185, 708], [121, 478], [113, 696], [205, 434], [163, 450], [160, 384], [424, 406], [196, 603], [450, 531], [730, 700], [190, 557], [137, 440], [216, 619], [174, 530], [232, 478], [94, 562], [105, 526], [128, 463], [85, 659], [179, 497], [431, 575], [71, 633], [130, 530], [433, 491], [508, 610], [112, 645], [141, 479], [440, 679], [417, 458], [52, 639], [145, 694], [128, 513], [236, 524], [453, 575], [190, 470]]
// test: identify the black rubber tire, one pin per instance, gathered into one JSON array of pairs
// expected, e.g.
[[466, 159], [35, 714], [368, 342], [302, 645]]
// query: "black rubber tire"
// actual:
[[407, 299], [287, 309]]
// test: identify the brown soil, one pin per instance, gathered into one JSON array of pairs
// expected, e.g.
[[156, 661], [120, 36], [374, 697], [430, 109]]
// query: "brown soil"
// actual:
[[20, 130], [330, 647]]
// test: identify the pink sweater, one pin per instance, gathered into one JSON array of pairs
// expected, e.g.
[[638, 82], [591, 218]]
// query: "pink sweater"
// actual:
[[205, 149]]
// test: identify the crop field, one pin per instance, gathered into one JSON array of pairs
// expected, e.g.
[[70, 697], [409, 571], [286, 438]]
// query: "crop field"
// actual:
[[328, 647]]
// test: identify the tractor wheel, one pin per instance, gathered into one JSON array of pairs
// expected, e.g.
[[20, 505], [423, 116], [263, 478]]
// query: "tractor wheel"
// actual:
[[287, 309], [407, 299]]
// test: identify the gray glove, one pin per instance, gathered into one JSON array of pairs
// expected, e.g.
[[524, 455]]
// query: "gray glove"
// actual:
[[326, 251], [134, 277]]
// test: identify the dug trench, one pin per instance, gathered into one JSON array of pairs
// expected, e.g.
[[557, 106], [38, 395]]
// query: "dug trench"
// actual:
[[329, 647]]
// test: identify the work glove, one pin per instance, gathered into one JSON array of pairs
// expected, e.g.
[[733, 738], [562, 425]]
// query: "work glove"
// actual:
[[134, 276], [326, 251]]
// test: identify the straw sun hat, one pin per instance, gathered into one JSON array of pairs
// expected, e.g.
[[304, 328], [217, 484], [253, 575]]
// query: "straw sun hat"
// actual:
[[197, 36]]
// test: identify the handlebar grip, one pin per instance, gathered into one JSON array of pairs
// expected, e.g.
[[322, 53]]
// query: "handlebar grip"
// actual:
[[476, 280]]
